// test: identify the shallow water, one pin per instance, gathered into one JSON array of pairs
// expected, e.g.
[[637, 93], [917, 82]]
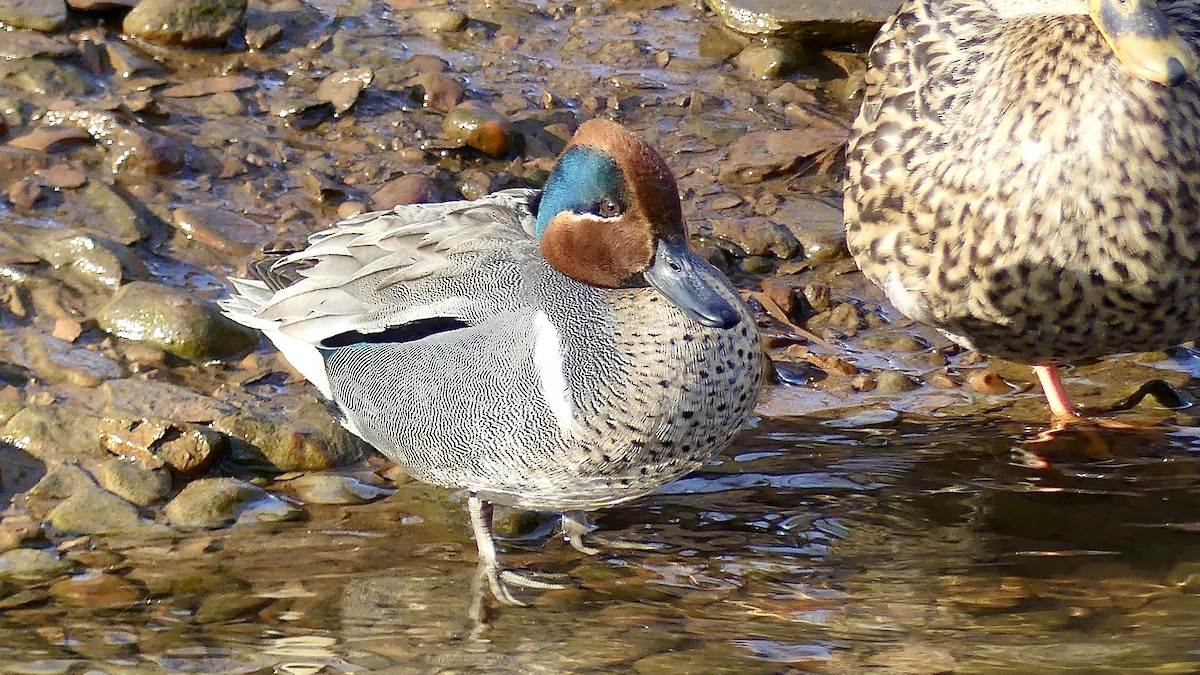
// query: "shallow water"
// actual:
[[929, 546]]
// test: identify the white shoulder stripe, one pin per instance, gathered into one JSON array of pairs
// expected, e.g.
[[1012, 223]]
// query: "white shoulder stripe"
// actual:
[[548, 359]]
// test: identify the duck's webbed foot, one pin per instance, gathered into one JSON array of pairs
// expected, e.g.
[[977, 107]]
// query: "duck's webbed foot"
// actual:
[[502, 580]]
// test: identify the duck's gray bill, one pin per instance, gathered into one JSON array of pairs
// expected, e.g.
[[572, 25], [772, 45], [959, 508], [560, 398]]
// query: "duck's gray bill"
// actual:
[[676, 274]]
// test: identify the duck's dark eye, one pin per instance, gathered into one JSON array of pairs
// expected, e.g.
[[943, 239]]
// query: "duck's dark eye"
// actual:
[[608, 208]]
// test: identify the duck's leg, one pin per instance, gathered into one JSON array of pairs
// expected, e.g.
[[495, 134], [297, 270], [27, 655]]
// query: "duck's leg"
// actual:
[[1061, 408], [575, 524], [489, 565]]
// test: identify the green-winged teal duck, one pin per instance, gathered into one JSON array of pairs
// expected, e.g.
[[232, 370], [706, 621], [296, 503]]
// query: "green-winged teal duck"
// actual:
[[562, 350]]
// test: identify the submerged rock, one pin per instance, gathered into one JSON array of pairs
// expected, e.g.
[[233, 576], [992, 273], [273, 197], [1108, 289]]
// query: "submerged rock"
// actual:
[[174, 321], [190, 23], [477, 127], [210, 503], [31, 564], [96, 589], [328, 488], [95, 260]]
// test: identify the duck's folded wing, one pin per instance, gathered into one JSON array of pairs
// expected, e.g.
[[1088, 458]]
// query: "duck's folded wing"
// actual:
[[397, 274]]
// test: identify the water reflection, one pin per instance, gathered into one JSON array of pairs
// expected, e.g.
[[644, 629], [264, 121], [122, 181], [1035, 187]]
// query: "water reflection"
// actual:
[[921, 546]]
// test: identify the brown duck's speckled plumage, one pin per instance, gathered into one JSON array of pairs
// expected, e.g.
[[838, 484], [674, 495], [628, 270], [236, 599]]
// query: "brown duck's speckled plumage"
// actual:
[[1011, 184]]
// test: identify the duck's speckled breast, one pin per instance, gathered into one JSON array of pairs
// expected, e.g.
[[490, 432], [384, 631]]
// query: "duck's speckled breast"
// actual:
[[1016, 188]]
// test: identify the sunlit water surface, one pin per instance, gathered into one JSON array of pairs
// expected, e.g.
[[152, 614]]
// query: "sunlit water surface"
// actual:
[[921, 547]]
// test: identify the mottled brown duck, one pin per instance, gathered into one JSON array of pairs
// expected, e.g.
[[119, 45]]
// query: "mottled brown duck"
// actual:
[[1024, 175]]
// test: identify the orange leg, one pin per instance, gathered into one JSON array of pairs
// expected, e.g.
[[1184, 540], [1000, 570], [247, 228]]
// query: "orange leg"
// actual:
[[1061, 408]]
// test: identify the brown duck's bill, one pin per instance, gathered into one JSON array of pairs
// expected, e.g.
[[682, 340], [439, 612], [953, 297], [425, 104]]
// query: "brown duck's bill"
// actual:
[[676, 274], [1142, 38]]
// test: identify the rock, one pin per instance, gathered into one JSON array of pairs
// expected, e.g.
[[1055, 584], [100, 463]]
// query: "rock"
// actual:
[[341, 89], [54, 432], [308, 439], [894, 382], [817, 226], [173, 320], [208, 85], [107, 211], [148, 398], [437, 91], [25, 193], [43, 15], [768, 62], [96, 589], [63, 177], [188, 449], [101, 5], [49, 139], [329, 488], [23, 44], [757, 237], [414, 188], [759, 155], [57, 361], [988, 382], [31, 564], [133, 483], [47, 77], [131, 147], [62, 482], [478, 127], [97, 511], [439, 20], [229, 606], [827, 23], [97, 261], [221, 229], [210, 503], [190, 23]]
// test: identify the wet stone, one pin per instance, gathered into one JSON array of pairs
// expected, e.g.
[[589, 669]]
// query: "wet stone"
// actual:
[[221, 229], [308, 438], [437, 91], [148, 398], [210, 503], [31, 564], [816, 23], [477, 127], [229, 606], [757, 237], [133, 483], [97, 511], [758, 155], [174, 321], [63, 177], [96, 589], [20, 44], [54, 431], [112, 213], [342, 88], [190, 23], [57, 361], [413, 188], [101, 5], [43, 15], [439, 20], [328, 488], [46, 77], [61, 482], [188, 449], [894, 382], [767, 62]]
